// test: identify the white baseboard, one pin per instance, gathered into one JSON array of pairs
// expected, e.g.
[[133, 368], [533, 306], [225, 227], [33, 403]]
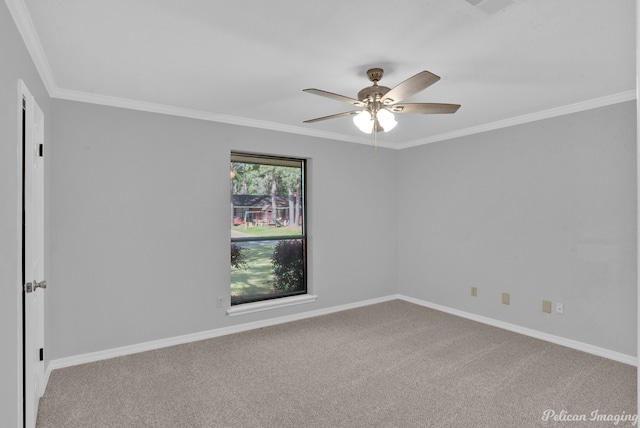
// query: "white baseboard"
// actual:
[[178, 340], [569, 343], [194, 337]]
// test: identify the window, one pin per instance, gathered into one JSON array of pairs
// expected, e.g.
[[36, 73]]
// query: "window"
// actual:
[[268, 238]]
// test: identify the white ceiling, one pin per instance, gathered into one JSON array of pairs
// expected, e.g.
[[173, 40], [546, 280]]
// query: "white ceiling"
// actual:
[[247, 61]]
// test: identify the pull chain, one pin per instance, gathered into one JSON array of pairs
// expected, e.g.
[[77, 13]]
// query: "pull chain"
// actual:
[[375, 141]]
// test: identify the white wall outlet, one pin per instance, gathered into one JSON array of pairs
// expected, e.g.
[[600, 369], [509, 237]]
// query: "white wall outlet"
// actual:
[[506, 299], [220, 301], [560, 308]]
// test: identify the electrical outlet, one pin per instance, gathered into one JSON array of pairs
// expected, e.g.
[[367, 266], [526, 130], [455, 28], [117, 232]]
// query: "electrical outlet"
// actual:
[[220, 302], [560, 308], [474, 291], [506, 299]]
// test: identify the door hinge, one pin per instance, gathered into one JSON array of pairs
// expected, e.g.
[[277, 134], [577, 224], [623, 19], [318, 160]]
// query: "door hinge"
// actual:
[[41, 150], [41, 354]]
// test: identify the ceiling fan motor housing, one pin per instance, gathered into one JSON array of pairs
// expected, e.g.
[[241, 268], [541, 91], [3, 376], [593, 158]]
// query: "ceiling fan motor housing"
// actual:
[[372, 93]]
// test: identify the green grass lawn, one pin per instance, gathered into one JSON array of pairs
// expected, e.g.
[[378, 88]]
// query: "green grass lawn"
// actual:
[[268, 231], [256, 277]]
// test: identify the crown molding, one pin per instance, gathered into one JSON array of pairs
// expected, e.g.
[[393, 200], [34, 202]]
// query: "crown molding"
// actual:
[[80, 96], [23, 21], [519, 120], [29, 35], [72, 95], [27, 30]]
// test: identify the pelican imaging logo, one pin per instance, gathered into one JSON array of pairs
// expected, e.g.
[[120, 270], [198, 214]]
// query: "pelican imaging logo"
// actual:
[[622, 419]]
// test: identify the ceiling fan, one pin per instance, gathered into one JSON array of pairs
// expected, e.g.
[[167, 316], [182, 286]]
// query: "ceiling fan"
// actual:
[[379, 102]]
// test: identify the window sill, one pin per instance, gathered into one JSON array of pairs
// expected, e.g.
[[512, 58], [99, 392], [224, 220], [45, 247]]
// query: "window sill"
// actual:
[[267, 305]]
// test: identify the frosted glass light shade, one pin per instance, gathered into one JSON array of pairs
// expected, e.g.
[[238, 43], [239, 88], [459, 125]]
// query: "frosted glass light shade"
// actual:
[[386, 119], [363, 121]]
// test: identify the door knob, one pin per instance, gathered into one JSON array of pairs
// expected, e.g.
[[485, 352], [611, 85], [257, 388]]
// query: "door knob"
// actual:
[[31, 286]]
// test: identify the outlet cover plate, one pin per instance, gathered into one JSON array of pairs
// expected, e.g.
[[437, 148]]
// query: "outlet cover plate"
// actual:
[[506, 299]]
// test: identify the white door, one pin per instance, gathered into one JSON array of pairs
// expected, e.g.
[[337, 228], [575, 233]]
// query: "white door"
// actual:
[[33, 248]]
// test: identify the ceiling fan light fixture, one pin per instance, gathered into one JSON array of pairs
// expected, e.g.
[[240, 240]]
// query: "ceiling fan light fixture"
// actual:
[[380, 103], [363, 121], [386, 119]]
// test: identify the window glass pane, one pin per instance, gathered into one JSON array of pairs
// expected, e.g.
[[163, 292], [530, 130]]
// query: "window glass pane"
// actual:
[[268, 243], [266, 269], [267, 200]]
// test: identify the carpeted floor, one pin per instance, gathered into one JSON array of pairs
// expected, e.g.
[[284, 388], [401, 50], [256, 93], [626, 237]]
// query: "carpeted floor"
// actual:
[[393, 364]]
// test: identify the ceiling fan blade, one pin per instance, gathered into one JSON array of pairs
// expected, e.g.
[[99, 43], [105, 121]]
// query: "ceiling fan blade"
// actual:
[[424, 108], [409, 87], [333, 116], [336, 97]]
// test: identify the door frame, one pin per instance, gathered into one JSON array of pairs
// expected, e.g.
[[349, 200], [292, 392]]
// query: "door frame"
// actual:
[[23, 93]]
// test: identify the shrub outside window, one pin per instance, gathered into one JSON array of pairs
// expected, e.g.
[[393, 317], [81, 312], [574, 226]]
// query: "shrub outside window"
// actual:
[[268, 240]]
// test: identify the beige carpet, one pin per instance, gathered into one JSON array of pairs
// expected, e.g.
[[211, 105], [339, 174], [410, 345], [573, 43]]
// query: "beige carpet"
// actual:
[[393, 364]]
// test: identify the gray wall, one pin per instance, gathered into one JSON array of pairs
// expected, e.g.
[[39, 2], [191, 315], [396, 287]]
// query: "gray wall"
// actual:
[[140, 224], [545, 210], [15, 64]]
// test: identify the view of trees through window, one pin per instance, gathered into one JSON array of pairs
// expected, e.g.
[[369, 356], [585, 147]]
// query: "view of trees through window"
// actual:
[[268, 243]]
